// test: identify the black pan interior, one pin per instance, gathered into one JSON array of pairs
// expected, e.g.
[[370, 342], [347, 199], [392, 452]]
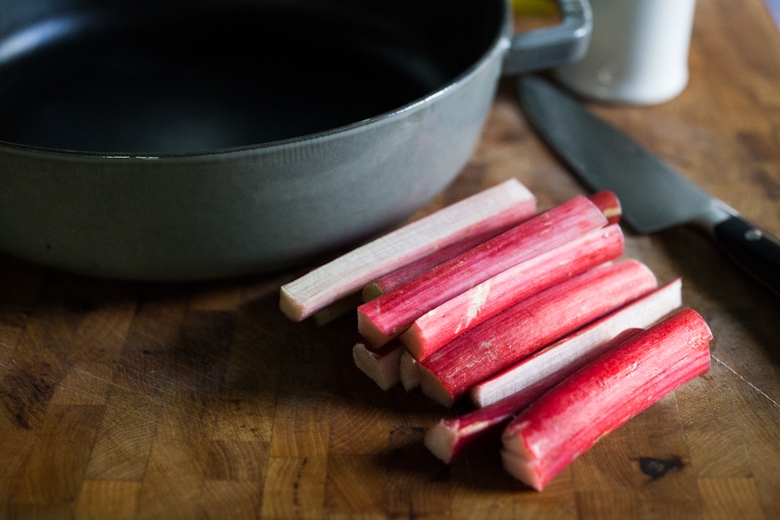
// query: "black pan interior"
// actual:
[[175, 77]]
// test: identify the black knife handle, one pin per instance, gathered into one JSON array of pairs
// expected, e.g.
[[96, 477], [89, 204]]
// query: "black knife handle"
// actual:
[[754, 249]]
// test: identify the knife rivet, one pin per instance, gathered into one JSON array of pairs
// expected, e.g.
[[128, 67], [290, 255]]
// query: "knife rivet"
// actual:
[[753, 235]]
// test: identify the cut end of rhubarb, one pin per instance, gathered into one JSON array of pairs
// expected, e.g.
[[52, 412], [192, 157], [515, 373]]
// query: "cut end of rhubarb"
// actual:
[[522, 470], [368, 329], [290, 307], [410, 372], [371, 291], [381, 366], [414, 342], [440, 440], [433, 388]]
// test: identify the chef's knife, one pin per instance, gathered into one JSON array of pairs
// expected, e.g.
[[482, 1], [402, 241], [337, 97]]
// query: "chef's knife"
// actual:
[[653, 195]]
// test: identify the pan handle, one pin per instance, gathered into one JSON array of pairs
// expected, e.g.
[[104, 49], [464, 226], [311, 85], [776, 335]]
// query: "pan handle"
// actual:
[[555, 46]]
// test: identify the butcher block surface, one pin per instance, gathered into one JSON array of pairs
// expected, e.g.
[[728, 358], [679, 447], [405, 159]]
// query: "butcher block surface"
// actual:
[[201, 400]]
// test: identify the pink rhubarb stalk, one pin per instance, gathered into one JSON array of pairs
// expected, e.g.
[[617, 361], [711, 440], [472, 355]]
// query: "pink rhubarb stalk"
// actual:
[[530, 325], [451, 438], [564, 357], [496, 207], [397, 278], [599, 398], [606, 201], [385, 317], [465, 311]]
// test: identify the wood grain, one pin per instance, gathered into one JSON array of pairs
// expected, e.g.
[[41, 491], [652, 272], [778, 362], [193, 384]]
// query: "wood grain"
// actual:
[[127, 401]]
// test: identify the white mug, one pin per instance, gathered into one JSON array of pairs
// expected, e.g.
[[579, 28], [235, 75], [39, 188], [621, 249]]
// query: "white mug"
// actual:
[[638, 52]]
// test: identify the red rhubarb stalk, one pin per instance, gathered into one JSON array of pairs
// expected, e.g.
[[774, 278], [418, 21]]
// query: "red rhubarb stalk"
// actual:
[[387, 316], [465, 311], [564, 357], [452, 438], [602, 396], [397, 278], [530, 325], [506, 203], [409, 371], [606, 201], [382, 366]]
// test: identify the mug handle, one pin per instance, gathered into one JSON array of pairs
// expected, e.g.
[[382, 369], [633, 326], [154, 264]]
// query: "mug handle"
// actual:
[[555, 46]]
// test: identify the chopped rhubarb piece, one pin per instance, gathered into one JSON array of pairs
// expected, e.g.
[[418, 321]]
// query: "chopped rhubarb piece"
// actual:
[[454, 437], [609, 204], [530, 325], [385, 317], [382, 365], [409, 371], [508, 202], [397, 278], [450, 438], [465, 311], [606, 201], [602, 396], [564, 357]]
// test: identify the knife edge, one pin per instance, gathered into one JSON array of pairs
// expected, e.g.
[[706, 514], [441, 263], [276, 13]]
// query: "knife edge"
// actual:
[[654, 196]]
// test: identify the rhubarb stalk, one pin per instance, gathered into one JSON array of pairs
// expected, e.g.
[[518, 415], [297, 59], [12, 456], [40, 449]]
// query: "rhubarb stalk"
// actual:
[[382, 366], [397, 278], [526, 327], [602, 396], [508, 202], [564, 357], [451, 438], [606, 201], [385, 317], [465, 311]]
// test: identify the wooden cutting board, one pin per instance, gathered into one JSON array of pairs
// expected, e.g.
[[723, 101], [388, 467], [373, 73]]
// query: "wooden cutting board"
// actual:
[[122, 400]]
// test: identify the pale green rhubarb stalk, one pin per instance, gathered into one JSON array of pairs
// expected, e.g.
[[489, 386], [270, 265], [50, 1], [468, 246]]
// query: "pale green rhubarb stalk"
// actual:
[[452, 438], [496, 207], [506, 338], [465, 311], [602, 396], [385, 317], [606, 201], [565, 356]]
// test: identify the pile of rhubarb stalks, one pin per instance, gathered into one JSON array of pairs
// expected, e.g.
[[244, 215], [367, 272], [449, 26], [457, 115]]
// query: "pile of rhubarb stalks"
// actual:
[[535, 317]]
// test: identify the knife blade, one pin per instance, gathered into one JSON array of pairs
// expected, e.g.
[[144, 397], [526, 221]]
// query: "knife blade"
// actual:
[[653, 195]]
